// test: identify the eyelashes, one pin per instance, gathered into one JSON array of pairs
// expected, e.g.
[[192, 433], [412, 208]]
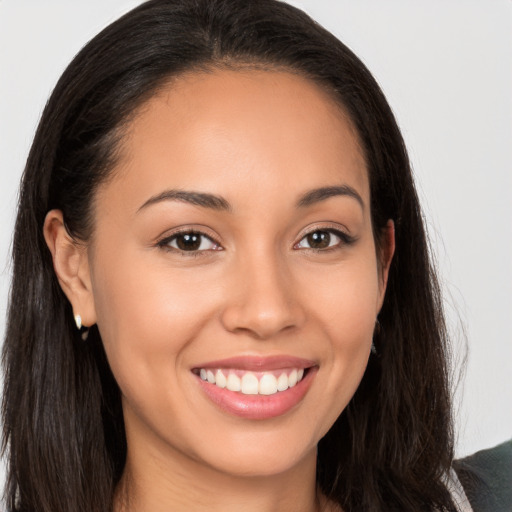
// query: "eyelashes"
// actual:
[[193, 242], [324, 240], [190, 241]]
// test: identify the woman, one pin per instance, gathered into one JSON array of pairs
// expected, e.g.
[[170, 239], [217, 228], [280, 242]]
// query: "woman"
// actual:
[[222, 294]]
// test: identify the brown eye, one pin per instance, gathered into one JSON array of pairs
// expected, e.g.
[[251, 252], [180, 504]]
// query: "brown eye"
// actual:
[[319, 239], [324, 239], [190, 241]]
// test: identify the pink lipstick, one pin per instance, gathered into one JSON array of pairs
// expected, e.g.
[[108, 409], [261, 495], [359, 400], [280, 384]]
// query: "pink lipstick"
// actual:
[[256, 387]]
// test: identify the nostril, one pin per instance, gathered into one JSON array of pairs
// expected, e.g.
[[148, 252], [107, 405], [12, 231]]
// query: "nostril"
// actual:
[[262, 320]]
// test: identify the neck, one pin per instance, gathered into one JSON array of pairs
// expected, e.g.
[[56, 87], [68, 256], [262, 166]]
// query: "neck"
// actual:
[[158, 483]]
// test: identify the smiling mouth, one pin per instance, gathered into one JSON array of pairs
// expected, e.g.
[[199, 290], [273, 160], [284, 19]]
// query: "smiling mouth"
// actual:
[[256, 387], [252, 382]]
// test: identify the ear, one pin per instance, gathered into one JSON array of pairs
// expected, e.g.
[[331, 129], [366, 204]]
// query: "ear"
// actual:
[[386, 252], [71, 265]]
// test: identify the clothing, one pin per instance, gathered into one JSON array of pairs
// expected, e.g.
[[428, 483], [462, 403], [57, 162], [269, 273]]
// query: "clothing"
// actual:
[[457, 492], [486, 479]]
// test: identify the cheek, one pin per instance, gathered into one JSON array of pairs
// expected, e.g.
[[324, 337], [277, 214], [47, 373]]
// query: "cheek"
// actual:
[[345, 310], [148, 318], [346, 303], [146, 315]]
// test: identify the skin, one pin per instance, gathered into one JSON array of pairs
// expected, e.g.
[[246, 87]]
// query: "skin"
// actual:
[[268, 138]]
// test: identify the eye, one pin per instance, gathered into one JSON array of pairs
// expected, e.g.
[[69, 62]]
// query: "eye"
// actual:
[[189, 241], [323, 239]]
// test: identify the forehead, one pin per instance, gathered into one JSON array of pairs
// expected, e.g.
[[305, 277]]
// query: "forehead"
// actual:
[[222, 129]]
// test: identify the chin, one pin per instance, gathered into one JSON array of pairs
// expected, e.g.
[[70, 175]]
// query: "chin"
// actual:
[[263, 464], [258, 454]]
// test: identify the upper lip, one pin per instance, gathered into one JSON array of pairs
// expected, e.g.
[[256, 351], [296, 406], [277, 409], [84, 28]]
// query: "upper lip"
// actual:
[[259, 363]]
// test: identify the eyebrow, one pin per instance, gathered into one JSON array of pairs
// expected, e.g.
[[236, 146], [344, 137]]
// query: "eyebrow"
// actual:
[[218, 203], [203, 199], [321, 194]]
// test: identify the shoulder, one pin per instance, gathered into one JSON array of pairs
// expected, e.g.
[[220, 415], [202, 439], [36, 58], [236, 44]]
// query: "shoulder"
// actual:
[[487, 478]]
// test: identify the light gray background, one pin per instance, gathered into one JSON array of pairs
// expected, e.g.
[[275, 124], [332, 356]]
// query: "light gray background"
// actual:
[[446, 68]]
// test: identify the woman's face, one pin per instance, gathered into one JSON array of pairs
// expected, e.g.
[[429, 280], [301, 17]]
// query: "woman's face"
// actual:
[[234, 242]]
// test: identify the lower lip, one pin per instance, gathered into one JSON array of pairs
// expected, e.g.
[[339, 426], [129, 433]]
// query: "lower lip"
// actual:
[[258, 407]]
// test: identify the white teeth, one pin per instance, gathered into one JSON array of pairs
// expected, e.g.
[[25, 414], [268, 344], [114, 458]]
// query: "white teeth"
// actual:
[[250, 384], [267, 385], [292, 378], [220, 379], [233, 383], [282, 382]]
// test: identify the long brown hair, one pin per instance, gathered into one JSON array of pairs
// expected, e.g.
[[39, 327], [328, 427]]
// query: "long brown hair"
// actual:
[[63, 426]]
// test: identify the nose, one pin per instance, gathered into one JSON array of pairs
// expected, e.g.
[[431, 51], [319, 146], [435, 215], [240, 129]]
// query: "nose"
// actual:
[[264, 299]]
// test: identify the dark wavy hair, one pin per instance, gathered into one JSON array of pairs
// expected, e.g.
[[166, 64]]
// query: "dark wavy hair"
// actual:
[[63, 428]]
